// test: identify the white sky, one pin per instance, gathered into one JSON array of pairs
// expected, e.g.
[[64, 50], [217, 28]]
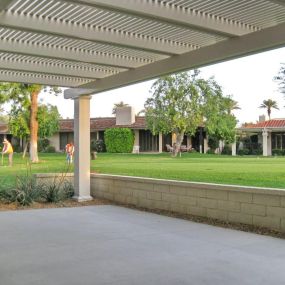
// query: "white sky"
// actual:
[[248, 79]]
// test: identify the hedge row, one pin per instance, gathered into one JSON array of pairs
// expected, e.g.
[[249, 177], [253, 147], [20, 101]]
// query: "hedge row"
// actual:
[[119, 140]]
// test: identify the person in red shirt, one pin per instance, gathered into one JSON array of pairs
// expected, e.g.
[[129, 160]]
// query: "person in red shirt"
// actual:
[[69, 149]]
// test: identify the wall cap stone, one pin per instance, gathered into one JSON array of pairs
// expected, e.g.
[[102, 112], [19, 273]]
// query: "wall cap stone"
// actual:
[[195, 185]]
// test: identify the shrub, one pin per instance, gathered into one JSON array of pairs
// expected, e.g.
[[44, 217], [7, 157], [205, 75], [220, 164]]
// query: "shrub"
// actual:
[[43, 145], [227, 150], [55, 191], [213, 142], [119, 140], [17, 148], [257, 151], [25, 192], [277, 152], [50, 149], [98, 145], [211, 151], [244, 151]]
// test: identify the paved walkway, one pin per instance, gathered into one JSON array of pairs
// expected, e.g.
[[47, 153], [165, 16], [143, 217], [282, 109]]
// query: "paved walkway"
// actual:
[[113, 245]]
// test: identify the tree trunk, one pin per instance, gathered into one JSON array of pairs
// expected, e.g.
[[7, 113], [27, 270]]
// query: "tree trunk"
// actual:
[[177, 145], [25, 149], [34, 126]]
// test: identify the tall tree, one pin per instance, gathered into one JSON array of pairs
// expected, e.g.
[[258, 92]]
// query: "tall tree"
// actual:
[[182, 102], [25, 96], [47, 117], [120, 104], [269, 105], [230, 104]]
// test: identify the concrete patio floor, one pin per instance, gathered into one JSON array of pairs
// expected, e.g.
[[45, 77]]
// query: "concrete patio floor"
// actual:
[[113, 245]]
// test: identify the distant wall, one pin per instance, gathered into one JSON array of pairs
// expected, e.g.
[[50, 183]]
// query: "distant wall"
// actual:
[[50, 177], [54, 141]]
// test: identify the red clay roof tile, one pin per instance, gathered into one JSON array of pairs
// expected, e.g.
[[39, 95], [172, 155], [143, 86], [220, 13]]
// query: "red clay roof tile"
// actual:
[[274, 123], [100, 124]]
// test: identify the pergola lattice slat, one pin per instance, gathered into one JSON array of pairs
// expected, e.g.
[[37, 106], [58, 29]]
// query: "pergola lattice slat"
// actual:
[[176, 16], [46, 26], [235, 47], [130, 41]]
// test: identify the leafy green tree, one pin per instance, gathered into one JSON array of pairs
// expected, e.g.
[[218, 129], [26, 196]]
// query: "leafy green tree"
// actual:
[[47, 117], [269, 105], [230, 104], [182, 102], [25, 97]]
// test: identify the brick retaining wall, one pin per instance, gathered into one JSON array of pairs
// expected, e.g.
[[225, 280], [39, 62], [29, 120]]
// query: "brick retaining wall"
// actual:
[[249, 205], [239, 204]]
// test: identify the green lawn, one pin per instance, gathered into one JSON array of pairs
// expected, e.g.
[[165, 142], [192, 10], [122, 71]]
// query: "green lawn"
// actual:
[[247, 170], [251, 171]]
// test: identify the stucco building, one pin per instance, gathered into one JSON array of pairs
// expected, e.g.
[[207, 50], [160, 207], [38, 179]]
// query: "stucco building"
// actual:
[[270, 134]]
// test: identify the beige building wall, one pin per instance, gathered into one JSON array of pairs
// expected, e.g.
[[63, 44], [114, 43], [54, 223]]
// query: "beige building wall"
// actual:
[[54, 141]]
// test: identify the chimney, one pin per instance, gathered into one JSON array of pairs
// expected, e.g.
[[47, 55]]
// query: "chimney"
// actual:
[[125, 115], [262, 118]]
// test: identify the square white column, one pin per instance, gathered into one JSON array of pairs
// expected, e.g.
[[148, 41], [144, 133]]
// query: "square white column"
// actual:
[[234, 147], [265, 142], [160, 142], [82, 148]]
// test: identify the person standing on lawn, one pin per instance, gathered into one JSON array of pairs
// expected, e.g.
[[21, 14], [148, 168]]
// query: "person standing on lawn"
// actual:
[[69, 149], [8, 149]]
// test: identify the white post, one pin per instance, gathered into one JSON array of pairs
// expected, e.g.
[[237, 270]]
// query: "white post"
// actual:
[[160, 142], [234, 147], [264, 142], [269, 147], [206, 146], [82, 148]]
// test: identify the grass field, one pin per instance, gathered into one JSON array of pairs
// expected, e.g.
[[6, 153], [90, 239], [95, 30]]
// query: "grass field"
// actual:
[[247, 170]]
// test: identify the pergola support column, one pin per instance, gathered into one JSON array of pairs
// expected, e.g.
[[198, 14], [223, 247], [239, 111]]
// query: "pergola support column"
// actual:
[[234, 147], [160, 146], [82, 148]]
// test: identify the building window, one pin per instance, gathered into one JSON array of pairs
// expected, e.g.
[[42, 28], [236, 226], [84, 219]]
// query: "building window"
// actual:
[[278, 141], [148, 142]]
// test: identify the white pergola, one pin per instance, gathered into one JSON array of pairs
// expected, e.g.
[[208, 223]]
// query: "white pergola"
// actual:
[[98, 45]]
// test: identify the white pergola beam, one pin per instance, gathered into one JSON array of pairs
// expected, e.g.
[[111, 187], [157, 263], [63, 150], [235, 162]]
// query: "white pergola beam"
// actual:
[[235, 47], [68, 30], [171, 15], [67, 54]]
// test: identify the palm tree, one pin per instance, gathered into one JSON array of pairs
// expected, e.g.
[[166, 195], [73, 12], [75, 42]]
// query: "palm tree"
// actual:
[[230, 104], [269, 104], [120, 104]]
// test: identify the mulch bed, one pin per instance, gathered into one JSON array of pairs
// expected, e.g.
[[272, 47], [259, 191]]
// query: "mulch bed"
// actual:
[[66, 204]]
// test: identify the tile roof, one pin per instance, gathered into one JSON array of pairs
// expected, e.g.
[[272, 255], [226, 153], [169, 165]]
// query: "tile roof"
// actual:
[[4, 128], [100, 124], [96, 124], [274, 123]]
